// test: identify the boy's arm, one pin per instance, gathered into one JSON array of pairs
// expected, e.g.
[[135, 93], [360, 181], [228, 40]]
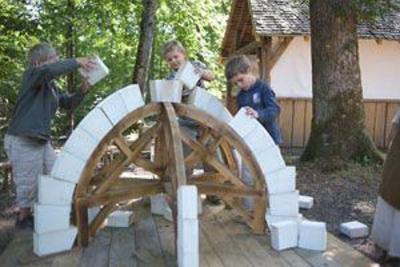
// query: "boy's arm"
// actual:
[[59, 68], [206, 74], [271, 111], [53, 70]]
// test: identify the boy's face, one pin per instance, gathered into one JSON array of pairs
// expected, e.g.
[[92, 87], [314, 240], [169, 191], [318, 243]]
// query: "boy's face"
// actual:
[[243, 80], [175, 59]]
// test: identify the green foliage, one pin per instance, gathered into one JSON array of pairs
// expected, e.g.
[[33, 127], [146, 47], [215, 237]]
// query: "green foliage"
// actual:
[[108, 28]]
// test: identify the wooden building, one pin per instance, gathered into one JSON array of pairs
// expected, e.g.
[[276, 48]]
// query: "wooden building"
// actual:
[[276, 35]]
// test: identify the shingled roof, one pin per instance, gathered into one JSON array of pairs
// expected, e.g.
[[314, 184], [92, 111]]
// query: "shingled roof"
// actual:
[[290, 18], [285, 17]]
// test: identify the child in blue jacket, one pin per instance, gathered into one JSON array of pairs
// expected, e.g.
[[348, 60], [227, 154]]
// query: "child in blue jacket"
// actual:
[[255, 95]]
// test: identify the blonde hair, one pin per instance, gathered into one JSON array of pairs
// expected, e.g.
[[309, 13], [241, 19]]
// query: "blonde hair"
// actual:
[[237, 65], [40, 53], [171, 46]]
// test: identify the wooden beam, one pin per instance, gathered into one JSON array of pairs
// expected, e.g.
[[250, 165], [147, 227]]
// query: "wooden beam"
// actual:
[[264, 55], [210, 159], [177, 159], [137, 146], [278, 49], [207, 177], [121, 195], [250, 48], [214, 188]]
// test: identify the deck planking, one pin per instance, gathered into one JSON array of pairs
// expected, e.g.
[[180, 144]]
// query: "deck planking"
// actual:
[[225, 241]]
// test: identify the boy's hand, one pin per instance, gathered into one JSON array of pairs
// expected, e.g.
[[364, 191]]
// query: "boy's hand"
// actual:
[[205, 74], [251, 112], [86, 63], [85, 85]]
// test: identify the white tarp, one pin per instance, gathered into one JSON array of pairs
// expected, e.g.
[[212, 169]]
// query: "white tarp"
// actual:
[[380, 70]]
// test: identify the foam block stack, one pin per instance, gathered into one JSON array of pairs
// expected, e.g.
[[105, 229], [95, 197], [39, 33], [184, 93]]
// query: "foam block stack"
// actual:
[[207, 102], [283, 218], [53, 232], [188, 227], [166, 91]]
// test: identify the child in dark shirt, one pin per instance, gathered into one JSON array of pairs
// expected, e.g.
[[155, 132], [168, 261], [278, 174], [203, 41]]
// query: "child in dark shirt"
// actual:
[[255, 95]]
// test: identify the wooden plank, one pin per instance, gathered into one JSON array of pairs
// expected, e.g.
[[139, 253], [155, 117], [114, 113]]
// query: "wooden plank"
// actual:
[[299, 109], [380, 124], [148, 250], [122, 247], [370, 109], [167, 240], [337, 254], [308, 121], [97, 254], [256, 253], [208, 255], [223, 245], [286, 121]]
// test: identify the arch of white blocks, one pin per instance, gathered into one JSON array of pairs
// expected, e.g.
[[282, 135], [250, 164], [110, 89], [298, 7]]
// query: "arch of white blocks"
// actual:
[[53, 232]]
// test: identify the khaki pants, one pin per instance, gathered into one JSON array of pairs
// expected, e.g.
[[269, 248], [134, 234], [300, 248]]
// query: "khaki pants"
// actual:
[[29, 158]]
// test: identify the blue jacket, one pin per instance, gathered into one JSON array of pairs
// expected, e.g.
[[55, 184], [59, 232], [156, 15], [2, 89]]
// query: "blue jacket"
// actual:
[[261, 98]]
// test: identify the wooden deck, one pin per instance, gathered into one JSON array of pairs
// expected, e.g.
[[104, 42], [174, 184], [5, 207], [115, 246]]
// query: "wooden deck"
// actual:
[[224, 241]]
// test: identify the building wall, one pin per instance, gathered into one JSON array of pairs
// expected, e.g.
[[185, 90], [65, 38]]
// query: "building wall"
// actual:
[[380, 72]]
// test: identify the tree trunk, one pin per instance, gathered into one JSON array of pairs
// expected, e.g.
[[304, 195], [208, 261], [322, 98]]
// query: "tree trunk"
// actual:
[[143, 57], [70, 53], [337, 132]]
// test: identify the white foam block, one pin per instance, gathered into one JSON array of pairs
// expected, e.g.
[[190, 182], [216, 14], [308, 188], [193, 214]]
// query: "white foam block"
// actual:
[[282, 180], [120, 218], [166, 91], [312, 235], [158, 204], [53, 242], [132, 97], [270, 160], [92, 213], [199, 98], [81, 144], [284, 204], [207, 102], [259, 139], [187, 75], [284, 235], [68, 167], [114, 107], [188, 235], [306, 202], [96, 124], [188, 259], [52, 191], [270, 219], [96, 74], [354, 229], [50, 218], [243, 124], [187, 202]]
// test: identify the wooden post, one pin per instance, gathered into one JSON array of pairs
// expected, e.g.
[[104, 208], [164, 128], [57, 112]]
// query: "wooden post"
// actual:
[[265, 54]]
